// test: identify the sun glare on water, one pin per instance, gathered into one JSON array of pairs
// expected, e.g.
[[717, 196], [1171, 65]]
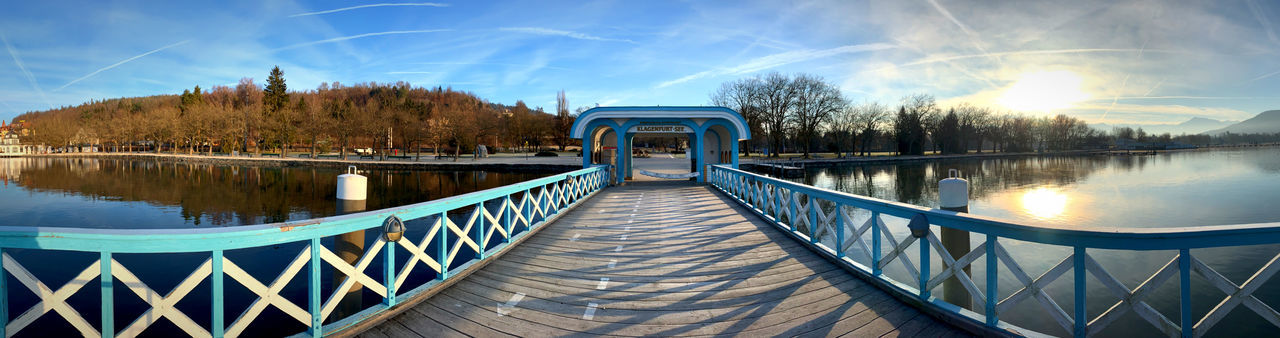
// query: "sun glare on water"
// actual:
[[1044, 91], [1044, 203]]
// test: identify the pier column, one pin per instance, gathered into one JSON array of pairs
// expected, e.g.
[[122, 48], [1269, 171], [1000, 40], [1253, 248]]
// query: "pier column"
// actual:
[[352, 193], [953, 195]]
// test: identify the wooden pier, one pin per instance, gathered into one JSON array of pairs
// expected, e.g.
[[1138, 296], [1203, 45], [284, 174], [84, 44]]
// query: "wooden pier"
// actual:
[[661, 258]]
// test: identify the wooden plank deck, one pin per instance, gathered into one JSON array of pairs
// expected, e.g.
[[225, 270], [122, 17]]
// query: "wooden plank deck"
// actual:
[[661, 258]]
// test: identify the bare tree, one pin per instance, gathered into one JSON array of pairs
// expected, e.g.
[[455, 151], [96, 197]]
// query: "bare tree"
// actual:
[[870, 117], [813, 106], [776, 98]]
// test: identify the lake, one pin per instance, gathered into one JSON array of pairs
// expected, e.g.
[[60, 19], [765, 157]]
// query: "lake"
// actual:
[[1177, 189], [119, 193], [147, 194]]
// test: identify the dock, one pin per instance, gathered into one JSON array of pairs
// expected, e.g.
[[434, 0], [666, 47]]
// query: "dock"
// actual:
[[661, 258]]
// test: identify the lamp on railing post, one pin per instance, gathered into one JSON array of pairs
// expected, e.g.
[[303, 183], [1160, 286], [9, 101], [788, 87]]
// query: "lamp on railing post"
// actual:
[[953, 195], [353, 190]]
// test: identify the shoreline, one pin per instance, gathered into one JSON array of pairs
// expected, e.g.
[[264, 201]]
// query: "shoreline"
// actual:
[[462, 165], [892, 159]]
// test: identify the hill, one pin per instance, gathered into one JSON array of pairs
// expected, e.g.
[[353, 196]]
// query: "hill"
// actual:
[[1267, 122], [1195, 125]]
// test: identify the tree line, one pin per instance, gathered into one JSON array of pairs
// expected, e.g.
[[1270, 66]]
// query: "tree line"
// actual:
[[252, 118], [805, 113]]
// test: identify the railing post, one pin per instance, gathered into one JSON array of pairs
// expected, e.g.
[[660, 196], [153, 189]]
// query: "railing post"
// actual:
[[313, 288], [993, 281], [108, 300], [1184, 281], [442, 246], [839, 230], [389, 273], [479, 232], [875, 244], [1080, 292], [924, 266], [215, 283], [506, 218]]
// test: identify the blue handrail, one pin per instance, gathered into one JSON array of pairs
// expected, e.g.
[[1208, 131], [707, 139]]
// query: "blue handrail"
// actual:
[[816, 216], [521, 207]]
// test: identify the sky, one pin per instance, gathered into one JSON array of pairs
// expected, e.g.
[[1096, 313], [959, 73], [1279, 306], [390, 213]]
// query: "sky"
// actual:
[[1135, 62]]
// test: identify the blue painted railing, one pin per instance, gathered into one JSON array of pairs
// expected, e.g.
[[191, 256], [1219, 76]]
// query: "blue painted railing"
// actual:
[[493, 219], [825, 220]]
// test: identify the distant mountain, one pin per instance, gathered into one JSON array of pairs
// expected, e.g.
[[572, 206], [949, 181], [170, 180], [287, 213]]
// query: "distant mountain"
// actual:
[[1195, 125], [1266, 122]]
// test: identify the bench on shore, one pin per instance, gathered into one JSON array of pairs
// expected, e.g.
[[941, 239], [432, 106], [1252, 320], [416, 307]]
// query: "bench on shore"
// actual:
[[329, 156], [400, 157], [270, 155], [369, 156]]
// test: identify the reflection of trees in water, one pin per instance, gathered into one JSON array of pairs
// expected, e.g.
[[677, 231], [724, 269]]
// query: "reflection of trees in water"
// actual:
[[916, 183], [236, 195]]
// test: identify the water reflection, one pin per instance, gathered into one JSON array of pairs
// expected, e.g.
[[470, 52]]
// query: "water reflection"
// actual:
[[1175, 189], [1044, 203], [84, 192]]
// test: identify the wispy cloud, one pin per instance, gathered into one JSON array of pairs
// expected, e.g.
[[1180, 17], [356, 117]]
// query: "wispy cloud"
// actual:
[[780, 59], [1187, 97], [564, 33], [488, 64], [365, 35], [1037, 52], [17, 61], [117, 64], [418, 4]]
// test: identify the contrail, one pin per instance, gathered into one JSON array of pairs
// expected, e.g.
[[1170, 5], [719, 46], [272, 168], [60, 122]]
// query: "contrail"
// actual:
[[973, 36], [780, 59], [424, 4], [1263, 20], [564, 33], [1153, 89], [1267, 75], [1035, 52], [26, 73], [365, 35], [1116, 98], [117, 64]]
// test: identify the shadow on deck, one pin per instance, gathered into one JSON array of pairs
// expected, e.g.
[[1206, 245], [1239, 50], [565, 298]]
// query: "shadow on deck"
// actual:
[[661, 258]]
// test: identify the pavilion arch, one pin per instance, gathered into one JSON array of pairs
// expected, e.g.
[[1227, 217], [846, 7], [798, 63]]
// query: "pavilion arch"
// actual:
[[607, 132]]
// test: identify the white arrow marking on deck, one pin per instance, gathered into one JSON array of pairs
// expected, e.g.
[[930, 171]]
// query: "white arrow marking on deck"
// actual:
[[612, 263], [591, 311], [504, 309], [603, 283], [575, 238], [623, 238], [618, 249], [628, 228]]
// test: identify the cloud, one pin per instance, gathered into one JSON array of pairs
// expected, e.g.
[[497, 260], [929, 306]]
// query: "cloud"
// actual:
[[117, 64], [421, 4], [17, 61], [365, 35], [780, 59], [973, 36], [564, 33]]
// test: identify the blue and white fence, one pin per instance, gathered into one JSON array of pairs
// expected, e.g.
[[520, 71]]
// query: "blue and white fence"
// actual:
[[493, 218], [825, 219]]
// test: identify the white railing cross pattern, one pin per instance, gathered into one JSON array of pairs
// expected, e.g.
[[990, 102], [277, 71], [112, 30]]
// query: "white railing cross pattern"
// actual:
[[354, 274], [267, 295], [1133, 300], [162, 306], [1236, 295], [52, 300]]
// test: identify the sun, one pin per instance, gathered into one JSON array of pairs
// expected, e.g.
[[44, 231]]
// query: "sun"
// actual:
[[1044, 91]]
